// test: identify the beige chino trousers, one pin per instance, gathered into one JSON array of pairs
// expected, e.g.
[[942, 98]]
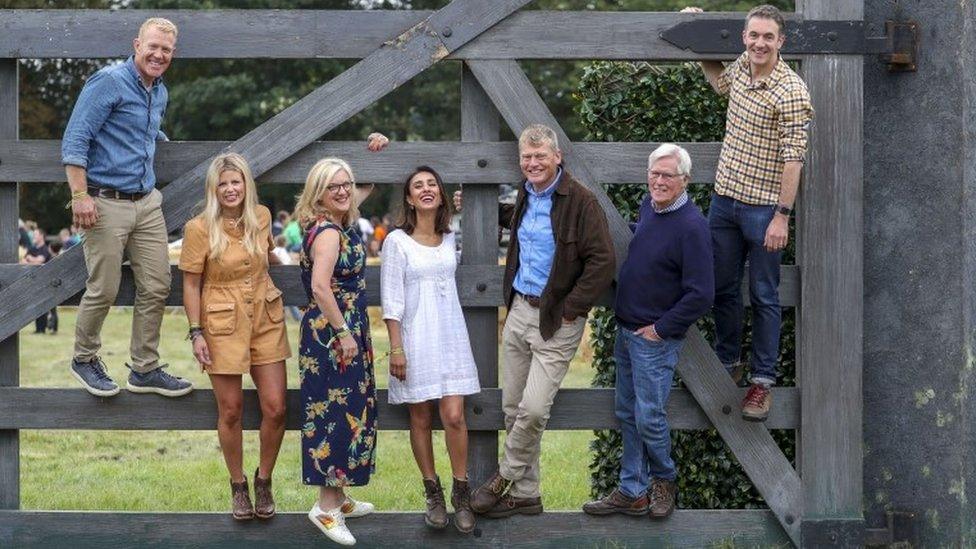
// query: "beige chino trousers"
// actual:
[[534, 369], [137, 230]]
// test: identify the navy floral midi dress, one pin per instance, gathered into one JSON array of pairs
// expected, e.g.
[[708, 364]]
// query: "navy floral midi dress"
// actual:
[[339, 398]]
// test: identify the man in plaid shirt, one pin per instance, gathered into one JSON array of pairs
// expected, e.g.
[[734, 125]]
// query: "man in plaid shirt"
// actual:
[[755, 185]]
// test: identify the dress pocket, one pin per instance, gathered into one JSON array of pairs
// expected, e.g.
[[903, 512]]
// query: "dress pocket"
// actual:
[[221, 318], [273, 303]]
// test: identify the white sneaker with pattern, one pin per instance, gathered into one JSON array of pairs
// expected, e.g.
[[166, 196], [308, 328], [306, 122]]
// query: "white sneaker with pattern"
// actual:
[[332, 523], [354, 509]]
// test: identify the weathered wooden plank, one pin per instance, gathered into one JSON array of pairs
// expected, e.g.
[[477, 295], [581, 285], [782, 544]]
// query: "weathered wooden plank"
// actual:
[[479, 227], [831, 251], [757, 452], [520, 105], [303, 34], [684, 529], [573, 410], [469, 278], [389, 66], [39, 161], [9, 348]]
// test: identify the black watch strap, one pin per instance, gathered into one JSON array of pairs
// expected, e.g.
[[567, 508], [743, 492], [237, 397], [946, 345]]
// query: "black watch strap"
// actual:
[[784, 210]]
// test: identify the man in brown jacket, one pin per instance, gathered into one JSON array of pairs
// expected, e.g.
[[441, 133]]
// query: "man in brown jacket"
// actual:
[[560, 259]]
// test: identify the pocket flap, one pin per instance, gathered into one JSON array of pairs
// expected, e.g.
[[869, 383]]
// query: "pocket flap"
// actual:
[[273, 294], [218, 307]]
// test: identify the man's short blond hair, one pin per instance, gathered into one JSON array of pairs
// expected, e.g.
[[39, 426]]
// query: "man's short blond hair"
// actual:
[[160, 23], [537, 135]]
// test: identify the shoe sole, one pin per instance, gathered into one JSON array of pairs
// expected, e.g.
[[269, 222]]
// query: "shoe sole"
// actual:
[[434, 525], [629, 512], [754, 419], [242, 517], [165, 392], [94, 391], [463, 531], [532, 510], [661, 517], [264, 517], [325, 531]]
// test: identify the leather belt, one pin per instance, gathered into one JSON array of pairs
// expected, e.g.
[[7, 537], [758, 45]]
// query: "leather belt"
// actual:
[[114, 194], [532, 300]]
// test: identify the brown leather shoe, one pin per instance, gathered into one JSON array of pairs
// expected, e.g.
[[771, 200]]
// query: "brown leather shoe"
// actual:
[[264, 505], [240, 497], [436, 515], [487, 495], [662, 497], [509, 505], [461, 501], [756, 404], [616, 502]]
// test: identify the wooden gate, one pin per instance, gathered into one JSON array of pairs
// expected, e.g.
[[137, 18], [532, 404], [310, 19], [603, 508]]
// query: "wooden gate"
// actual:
[[818, 503]]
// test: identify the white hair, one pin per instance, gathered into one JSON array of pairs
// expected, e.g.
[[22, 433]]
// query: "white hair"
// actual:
[[671, 150]]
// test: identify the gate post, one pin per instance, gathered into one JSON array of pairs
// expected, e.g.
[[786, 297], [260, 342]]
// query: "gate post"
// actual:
[[830, 316], [9, 349]]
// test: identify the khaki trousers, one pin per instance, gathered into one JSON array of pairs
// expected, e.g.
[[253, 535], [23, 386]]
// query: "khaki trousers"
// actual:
[[136, 230], [533, 371]]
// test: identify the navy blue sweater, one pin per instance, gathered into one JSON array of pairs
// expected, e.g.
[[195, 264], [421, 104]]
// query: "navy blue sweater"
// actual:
[[667, 279]]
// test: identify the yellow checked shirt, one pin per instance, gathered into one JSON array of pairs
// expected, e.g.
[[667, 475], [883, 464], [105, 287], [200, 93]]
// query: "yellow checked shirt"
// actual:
[[766, 126]]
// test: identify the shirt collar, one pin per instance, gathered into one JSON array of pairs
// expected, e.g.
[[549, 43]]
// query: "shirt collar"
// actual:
[[547, 192], [768, 81], [681, 201], [130, 65]]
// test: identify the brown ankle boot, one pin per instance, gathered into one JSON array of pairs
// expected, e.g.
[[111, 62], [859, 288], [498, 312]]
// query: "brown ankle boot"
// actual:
[[461, 501], [241, 506], [436, 515], [264, 505]]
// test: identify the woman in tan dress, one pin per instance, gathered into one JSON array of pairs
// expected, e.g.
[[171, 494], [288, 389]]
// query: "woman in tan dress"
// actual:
[[236, 320]]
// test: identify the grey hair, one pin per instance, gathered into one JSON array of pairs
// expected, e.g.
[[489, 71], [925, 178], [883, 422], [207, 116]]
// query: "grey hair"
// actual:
[[537, 135], [675, 151]]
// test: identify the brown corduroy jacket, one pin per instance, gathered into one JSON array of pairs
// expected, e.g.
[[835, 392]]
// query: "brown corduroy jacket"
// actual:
[[584, 262]]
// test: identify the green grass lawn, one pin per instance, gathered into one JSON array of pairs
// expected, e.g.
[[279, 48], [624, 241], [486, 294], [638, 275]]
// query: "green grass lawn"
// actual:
[[184, 471]]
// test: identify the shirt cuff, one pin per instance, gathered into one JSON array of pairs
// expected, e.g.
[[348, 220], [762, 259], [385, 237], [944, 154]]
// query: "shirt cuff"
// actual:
[[80, 161]]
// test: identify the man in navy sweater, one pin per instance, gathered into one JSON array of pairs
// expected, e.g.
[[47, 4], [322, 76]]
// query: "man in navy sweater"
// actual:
[[665, 285]]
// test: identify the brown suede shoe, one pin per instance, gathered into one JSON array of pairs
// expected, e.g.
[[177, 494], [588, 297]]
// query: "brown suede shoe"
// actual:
[[461, 501], [487, 495], [241, 506], [264, 505], [756, 404], [662, 497], [509, 505], [616, 502], [436, 515]]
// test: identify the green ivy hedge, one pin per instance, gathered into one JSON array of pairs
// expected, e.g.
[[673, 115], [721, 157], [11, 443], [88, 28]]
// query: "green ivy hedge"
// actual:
[[619, 101]]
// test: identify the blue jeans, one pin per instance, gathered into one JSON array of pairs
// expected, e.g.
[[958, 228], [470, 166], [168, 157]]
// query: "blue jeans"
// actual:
[[738, 232], [645, 370]]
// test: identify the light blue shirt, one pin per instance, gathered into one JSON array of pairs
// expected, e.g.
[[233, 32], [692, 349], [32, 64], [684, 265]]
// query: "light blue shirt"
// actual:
[[114, 127], [537, 246]]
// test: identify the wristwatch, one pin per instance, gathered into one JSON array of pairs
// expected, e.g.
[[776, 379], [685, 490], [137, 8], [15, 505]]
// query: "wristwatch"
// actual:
[[785, 210]]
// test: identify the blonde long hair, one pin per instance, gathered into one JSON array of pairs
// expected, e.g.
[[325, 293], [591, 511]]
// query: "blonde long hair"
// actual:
[[308, 209], [210, 215]]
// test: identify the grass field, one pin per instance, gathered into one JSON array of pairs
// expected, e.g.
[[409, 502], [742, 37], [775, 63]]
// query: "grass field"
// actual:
[[184, 471]]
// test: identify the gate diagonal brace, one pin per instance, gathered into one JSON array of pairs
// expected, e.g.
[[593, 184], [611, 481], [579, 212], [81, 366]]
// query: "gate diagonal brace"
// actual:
[[898, 47]]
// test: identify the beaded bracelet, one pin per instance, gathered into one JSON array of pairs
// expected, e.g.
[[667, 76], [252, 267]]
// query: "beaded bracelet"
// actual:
[[194, 333], [397, 351]]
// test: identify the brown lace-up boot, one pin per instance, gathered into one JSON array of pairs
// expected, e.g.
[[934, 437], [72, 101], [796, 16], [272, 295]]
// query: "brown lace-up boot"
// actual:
[[264, 505], [241, 506], [436, 515], [461, 501]]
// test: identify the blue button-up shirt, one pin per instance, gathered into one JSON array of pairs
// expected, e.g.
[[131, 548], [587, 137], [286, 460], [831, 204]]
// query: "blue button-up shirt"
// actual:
[[114, 127], [537, 245]]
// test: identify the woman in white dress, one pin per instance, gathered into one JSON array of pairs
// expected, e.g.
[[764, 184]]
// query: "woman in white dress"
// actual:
[[430, 354]]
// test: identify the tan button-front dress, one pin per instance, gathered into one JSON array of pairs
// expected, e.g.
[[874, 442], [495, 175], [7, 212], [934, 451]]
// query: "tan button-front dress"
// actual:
[[241, 310]]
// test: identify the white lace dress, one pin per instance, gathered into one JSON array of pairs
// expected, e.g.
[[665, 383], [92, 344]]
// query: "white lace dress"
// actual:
[[418, 289]]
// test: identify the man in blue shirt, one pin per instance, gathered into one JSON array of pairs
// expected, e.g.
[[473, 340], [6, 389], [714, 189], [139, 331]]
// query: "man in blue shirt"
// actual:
[[667, 283], [108, 151], [560, 260]]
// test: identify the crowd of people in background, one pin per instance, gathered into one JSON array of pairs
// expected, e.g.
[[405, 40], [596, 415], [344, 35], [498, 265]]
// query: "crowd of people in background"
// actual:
[[38, 248]]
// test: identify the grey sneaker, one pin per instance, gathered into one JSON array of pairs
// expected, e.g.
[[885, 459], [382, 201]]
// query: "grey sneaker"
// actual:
[[159, 382], [93, 377]]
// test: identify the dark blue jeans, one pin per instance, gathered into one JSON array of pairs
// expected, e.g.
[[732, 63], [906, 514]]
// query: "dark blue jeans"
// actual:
[[645, 370], [738, 231]]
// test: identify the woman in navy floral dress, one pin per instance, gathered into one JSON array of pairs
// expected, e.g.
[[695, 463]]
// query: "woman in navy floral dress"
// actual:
[[338, 388]]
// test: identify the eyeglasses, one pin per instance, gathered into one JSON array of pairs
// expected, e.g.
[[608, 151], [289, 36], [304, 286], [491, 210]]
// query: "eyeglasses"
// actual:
[[335, 187], [668, 177]]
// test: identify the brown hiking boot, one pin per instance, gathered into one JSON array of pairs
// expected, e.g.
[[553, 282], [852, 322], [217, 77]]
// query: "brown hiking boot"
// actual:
[[662, 497], [436, 515], [488, 494], [240, 498], [616, 502], [509, 505], [461, 501], [264, 505], [756, 404]]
